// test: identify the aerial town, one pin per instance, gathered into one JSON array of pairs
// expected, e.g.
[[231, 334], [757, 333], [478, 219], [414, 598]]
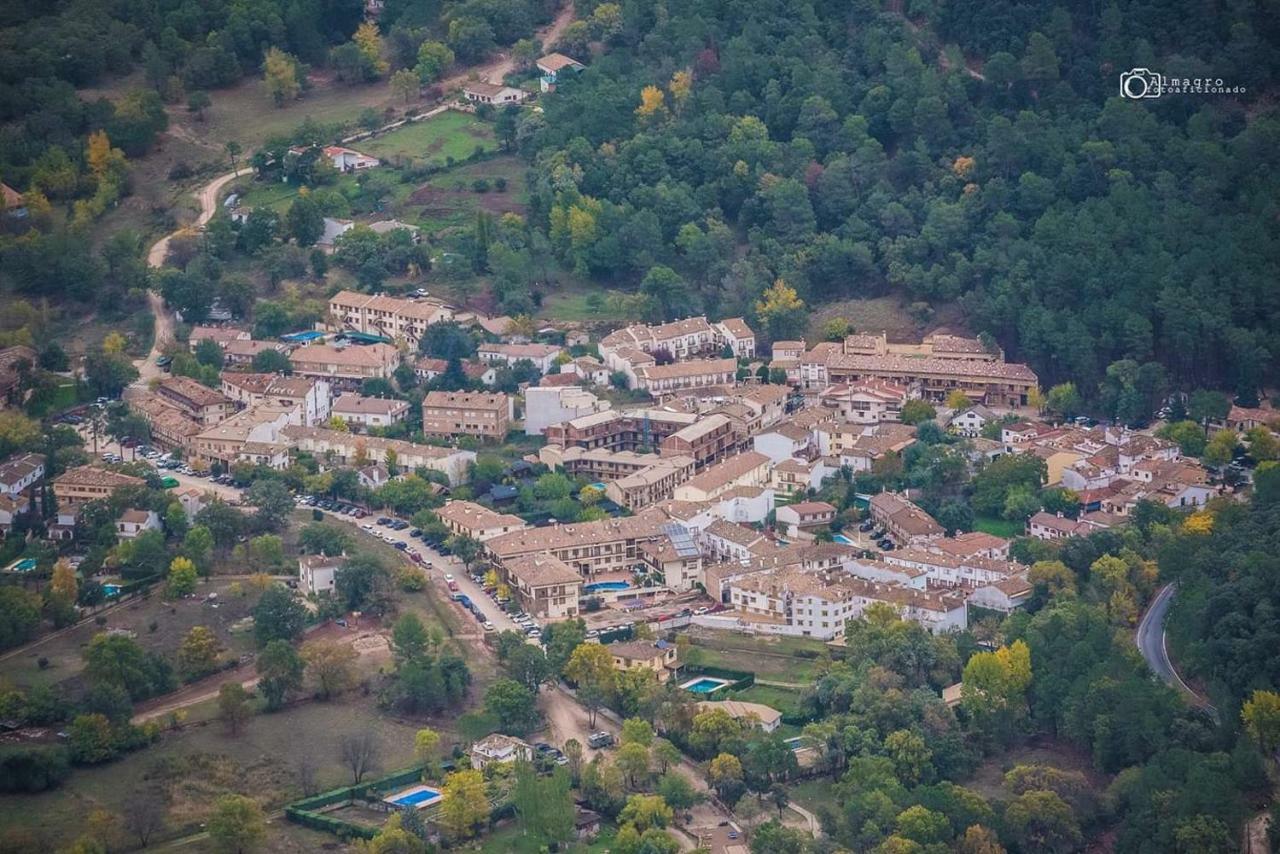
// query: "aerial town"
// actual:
[[587, 427]]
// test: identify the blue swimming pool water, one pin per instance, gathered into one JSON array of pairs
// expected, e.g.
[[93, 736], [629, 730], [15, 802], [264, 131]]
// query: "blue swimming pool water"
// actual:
[[606, 585], [414, 798], [26, 564], [704, 686], [842, 539], [110, 590]]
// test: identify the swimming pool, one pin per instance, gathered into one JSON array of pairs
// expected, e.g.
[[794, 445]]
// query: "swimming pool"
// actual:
[[110, 590], [416, 796], [25, 564], [797, 742], [842, 539], [705, 685], [597, 586]]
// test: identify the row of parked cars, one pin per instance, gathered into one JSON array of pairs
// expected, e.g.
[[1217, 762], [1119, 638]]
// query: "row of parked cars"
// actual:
[[879, 535]]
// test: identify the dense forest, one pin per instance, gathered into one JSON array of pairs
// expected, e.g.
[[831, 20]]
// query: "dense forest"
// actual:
[[855, 152]]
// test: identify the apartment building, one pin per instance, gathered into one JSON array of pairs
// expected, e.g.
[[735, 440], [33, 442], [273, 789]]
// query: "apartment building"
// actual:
[[547, 406], [902, 520], [717, 578], [82, 484], [651, 484], [675, 556], [252, 436], [389, 317], [334, 446], [171, 428], [749, 468], [665, 380], [728, 542], [590, 548], [468, 519], [310, 396], [867, 402], [362, 411], [708, 440], [204, 405], [944, 570], [932, 369], [346, 367], [545, 586], [620, 430], [459, 413]]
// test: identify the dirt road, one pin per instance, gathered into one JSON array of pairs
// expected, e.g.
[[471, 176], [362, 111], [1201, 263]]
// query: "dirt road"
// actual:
[[504, 64], [208, 198]]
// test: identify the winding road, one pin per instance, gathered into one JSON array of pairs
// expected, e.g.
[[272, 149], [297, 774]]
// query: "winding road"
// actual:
[[208, 198], [1150, 638]]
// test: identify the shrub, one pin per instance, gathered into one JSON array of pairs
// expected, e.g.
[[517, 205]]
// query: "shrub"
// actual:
[[33, 769], [500, 184], [480, 185]]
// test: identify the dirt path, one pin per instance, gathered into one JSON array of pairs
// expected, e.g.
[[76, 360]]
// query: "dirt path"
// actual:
[[207, 196], [504, 64]]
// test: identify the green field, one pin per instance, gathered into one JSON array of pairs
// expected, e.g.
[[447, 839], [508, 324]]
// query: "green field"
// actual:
[[510, 839], [1006, 528], [433, 140], [783, 699]]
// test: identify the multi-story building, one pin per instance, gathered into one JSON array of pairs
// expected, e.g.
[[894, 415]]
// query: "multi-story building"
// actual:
[[334, 446], [549, 406], [651, 484], [620, 430], [545, 586], [252, 436], [746, 469], [682, 339], [468, 519], [708, 440], [317, 574], [170, 427], [242, 352], [905, 523], [664, 380], [363, 411], [80, 485], [675, 556], [656, 657], [591, 548], [799, 519], [389, 317], [199, 402], [347, 367], [867, 402], [311, 397], [458, 413], [932, 370]]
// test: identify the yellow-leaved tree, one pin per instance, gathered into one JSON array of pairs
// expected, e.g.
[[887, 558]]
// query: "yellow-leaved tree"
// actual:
[[280, 76], [653, 104], [681, 87], [465, 807], [782, 312], [369, 40]]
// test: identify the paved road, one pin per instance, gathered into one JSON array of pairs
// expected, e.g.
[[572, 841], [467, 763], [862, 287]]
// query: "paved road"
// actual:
[[440, 565], [1150, 639]]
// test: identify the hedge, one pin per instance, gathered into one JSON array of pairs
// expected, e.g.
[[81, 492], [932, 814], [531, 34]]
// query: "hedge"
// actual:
[[305, 812]]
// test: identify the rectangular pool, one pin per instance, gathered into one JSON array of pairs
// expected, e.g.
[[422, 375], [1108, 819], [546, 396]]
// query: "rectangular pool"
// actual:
[[597, 586], [842, 539], [705, 685], [415, 796]]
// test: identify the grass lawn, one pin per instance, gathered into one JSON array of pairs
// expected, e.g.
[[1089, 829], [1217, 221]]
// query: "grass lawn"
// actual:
[[999, 527], [774, 659], [433, 140], [811, 793], [194, 767], [574, 305], [782, 699], [510, 839]]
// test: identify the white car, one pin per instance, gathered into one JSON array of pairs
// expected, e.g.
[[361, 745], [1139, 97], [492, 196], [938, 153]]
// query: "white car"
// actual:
[[366, 526], [488, 626], [448, 577], [698, 612]]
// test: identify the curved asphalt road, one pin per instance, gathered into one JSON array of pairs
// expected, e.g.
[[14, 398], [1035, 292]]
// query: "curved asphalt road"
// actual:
[[1150, 639]]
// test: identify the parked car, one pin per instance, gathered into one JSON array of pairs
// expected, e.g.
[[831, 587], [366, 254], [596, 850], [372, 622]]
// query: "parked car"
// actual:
[[600, 739]]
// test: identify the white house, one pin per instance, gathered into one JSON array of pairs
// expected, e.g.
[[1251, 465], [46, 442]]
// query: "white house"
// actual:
[[346, 160], [479, 92], [21, 472], [359, 409], [133, 522], [333, 229], [969, 422], [499, 748], [317, 573], [796, 520]]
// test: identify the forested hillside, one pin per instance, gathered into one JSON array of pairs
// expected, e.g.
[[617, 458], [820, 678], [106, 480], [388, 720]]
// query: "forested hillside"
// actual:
[[856, 152]]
